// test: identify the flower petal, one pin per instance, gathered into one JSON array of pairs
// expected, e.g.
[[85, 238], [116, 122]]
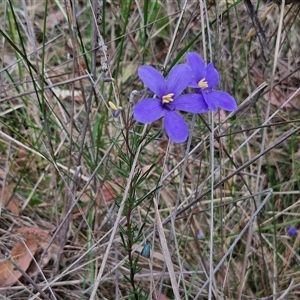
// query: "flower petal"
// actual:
[[210, 104], [153, 80], [175, 127], [212, 76], [193, 103], [221, 99], [148, 110], [179, 78], [197, 65], [292, 231]]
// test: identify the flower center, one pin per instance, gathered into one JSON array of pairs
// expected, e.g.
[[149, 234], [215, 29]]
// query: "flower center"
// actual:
[[203, 84], [167, 98]]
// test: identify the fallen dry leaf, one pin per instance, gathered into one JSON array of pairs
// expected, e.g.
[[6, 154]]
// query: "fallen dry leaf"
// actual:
[[162, 296], [22, 253], [10, 201], [13, 206], [6, 273], [42, 238], [35, 242], [108, 190], [54, 19], [278, 98]]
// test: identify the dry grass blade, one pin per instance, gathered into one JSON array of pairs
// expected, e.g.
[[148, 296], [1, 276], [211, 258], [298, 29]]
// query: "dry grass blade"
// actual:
[[166, 251]]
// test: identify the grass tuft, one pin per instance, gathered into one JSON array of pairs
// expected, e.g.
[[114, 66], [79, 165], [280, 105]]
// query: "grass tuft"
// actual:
[[85, 190]]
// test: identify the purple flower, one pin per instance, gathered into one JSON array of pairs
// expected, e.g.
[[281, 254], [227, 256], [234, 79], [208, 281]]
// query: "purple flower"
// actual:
[[205, 79], [292, 231], [168, 100], [200, 234]]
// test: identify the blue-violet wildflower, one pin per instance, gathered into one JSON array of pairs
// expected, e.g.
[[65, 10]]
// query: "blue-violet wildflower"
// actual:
[[292, 231], [205, 79], [200, 234], [168, 100]]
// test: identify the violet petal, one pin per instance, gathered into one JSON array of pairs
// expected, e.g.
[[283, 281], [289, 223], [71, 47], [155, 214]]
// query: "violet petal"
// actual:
[[148, 110], [193, 103], [210, 104], [212, 76], [221, 99], [153, 80], [175, 127], [178, 79], [197, 65], [292, 231]]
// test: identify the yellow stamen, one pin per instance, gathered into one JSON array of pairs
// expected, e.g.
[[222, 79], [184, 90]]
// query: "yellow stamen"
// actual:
[[203, 83], [167, 98], [112, 105]]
